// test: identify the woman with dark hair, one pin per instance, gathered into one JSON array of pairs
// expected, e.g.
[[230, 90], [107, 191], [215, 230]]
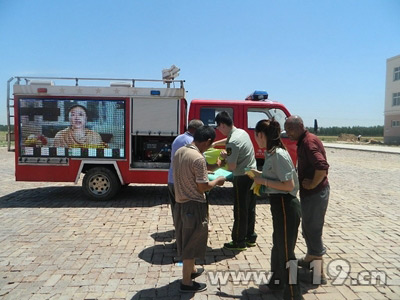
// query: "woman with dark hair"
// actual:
[[77, 135], [278, 180]]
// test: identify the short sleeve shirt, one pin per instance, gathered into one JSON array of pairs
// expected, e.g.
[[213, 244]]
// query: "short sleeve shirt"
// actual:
[[240, 151], [189, 168], [180, 141], [279, 166]]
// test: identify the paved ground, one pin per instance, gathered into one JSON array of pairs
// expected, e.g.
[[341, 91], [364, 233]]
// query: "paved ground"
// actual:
[[54, 244], [364, 147]]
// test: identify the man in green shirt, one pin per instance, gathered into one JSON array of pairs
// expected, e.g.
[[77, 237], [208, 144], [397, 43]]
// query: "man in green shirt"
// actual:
[[239, 156]]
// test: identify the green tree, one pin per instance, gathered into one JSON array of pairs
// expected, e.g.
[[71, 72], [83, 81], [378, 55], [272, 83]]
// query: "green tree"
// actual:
[[356, 130]]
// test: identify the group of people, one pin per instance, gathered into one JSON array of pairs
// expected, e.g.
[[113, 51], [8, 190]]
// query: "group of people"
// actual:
[[278, 179]]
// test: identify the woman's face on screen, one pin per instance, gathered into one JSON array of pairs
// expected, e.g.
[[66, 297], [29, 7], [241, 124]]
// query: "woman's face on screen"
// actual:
[[77, 118]]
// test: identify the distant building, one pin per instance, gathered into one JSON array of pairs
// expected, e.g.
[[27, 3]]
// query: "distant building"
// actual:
[[392, 101]]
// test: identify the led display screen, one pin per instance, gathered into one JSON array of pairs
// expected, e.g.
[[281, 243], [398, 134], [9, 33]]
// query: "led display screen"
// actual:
[[72, 128]]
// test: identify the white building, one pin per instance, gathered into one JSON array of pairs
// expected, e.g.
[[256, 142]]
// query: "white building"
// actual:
[[392, 101]]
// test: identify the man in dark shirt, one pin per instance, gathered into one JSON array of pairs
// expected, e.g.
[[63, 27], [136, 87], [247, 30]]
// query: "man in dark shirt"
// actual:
[[312, 169]]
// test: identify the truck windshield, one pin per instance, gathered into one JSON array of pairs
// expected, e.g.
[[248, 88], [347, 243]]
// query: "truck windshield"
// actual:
[[207, 114], [254, 115]]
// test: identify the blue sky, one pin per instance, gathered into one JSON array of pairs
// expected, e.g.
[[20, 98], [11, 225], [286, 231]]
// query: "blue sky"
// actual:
[[324, 60]]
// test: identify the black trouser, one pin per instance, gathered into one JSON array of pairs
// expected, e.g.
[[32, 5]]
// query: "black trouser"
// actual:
[[286, 212], [244, 211], [171, 197]]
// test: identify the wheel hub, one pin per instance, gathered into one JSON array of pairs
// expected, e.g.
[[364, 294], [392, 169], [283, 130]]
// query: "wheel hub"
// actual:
[[99, 185]]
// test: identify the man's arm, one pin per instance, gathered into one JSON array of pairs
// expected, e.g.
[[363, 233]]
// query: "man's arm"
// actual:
[[219, 143], [317, 158], [200, 169], [220, 163], [206, 186], [315, 154], [310, 184], [230, 165], [286, 186]]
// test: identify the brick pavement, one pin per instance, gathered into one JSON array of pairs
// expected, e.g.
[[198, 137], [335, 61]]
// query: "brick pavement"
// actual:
[[54, 244]]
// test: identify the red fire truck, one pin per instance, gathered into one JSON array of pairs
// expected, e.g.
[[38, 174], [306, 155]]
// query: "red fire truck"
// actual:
[[111, 130]]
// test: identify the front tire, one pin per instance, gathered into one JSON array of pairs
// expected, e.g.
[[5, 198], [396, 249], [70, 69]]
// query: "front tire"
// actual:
[[100, 184]]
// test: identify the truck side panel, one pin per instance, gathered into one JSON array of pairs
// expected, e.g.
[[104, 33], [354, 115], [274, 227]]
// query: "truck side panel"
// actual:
[[142, 175], [37, 172]]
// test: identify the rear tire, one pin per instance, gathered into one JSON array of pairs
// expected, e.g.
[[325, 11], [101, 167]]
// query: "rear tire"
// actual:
[[100, 184]]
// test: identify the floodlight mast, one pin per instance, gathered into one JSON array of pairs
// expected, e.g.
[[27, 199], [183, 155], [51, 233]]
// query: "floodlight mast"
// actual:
[[168, 75]]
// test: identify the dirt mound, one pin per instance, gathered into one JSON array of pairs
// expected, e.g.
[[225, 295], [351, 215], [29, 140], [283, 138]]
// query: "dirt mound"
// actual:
[[345, 137], [375, 142]]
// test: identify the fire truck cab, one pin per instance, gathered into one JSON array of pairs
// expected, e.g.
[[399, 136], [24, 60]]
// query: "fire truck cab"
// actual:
[[111, 130], [245, 115]]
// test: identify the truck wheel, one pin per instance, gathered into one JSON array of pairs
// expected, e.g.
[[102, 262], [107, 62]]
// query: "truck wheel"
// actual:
[[100, 184]]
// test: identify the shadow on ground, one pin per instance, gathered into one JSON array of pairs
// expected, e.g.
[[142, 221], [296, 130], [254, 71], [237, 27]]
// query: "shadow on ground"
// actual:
[[131, 196], [166, 237], [166, 254], [72, 196], [171, 291]]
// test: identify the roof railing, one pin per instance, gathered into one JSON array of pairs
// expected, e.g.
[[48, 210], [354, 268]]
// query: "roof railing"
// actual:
[[78, 79]]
